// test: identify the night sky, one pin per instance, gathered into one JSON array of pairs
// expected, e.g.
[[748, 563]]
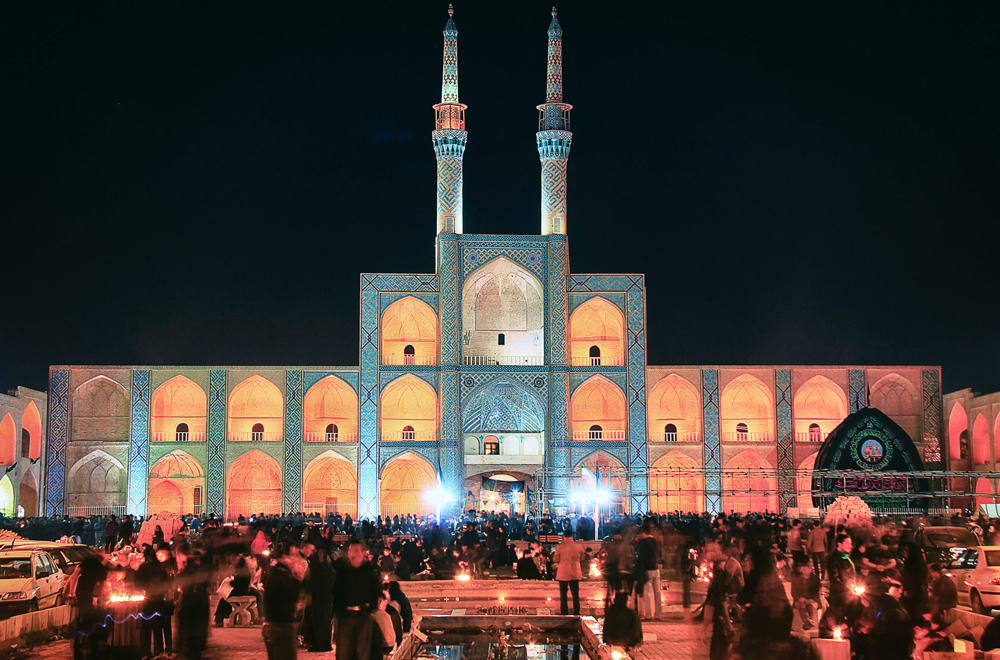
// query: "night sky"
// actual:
[[203, 183]]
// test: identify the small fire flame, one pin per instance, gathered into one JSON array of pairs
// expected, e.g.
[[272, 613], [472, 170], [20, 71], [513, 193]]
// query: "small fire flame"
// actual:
[[594, 570], [858, 589], [837, 634], [126, 598], [463, 577]]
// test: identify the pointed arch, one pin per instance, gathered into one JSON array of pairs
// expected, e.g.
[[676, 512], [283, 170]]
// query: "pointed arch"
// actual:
[[253, 485], [612, 475], [598, 402], [804, 483], [176, 464], [6, 496], [405, 480], [31, 422], [677, 483], [674, 400], [330, 485], [256, 400], [95, 483], [178, 401], [597, 323], [330, 401], [100, 411], [984, 492], [980, 441], [501, 297], [820, 402], [746, 400], [8, 440], [408, 401], [958, 423], [895, 396], [409, 323], [27, 495], [749, 484]]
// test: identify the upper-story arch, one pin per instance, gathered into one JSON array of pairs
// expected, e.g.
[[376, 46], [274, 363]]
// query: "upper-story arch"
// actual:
[[818, 407], [503, 312], [980, 440], [178, 411], [503, 406], [746, 410], [599, 410], [958, 424], [597, 334], [408, 410], [31, 425], [8, 440], [409, 332], [256, 411], [674, 410], [330, 412], [895, 396], [101, 411]]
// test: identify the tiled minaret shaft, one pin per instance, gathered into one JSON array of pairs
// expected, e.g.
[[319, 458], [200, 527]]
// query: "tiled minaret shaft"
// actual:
[[449, 137], [554, 138]]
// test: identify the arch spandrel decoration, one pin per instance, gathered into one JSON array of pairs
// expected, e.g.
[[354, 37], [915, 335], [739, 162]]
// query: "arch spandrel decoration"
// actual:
[[503, 406]]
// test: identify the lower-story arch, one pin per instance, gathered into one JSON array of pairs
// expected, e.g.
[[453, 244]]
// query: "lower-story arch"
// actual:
[[330, 486], [404, 485], [600, 470], [176, 485], [253, 485], [804, 484], [6, 496], [676, 483], [749, 484], [27, 496]]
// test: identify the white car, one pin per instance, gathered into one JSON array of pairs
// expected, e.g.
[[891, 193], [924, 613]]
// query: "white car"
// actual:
[[982, 577], [29, 581]]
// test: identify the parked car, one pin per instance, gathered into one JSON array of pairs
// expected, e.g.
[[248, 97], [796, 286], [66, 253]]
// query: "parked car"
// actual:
[[944, 545], [29, 581], [67, 556], [981, 568]]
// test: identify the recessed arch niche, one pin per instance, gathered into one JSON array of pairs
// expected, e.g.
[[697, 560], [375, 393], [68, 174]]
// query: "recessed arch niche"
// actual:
[[404, 484], [674, 401], [746, 400], [676, 483], [598, 402], [256, 402], [178, 411], [31, 422], [597, 324], [820, 402], [330, 485], [100, 411], [749, 484], [409, 332], [253, 485], [330, 401], [502, 298], [176, 484], [408, 410]]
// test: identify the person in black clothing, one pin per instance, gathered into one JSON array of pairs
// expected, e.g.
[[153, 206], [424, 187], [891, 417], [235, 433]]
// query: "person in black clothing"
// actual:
[[111, 534], [356, 590], [717, 616], [128, 528], [153, 579], [240, 587], [90, 631], [399, 600], [193, 607], [281, 599], [840, 571], [319, 613], [527, 569]]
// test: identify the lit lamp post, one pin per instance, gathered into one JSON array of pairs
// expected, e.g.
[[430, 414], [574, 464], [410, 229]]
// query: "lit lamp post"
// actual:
[[595, 497], [437, 496]]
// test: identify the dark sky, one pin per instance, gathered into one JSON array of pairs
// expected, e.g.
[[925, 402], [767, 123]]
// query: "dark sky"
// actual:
[[202, 183]]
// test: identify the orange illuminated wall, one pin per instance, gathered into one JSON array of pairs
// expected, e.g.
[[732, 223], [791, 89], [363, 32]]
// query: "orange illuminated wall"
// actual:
[[746, 400], [749, 484], [984, 487], [818, 401], [597, 323], [598, 402], [405, 480], [331, 401], [172, 483], [980, 441], [408, 402], [958, 423], [803, 482], [8, 441], [178, 401], [611, 472], [256, 401], [676, 484], [895, 396], [28, 495], [409, 322], [674, 401], [331, 485], [253, 484], [31, 422]]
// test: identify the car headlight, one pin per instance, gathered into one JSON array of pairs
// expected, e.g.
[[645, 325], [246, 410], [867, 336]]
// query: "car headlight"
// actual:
[[15, 595]]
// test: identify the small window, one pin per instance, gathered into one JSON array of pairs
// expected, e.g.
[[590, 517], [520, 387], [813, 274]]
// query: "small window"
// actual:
[[257, 432], [595, 356], [501, 340], [409, 355], [409, 433], [670, 433], [596, 432], [492, 447], [181, 432], [197, 497], [742, 431], [331, 432], [25, 443], [815, 433], [557, 225]]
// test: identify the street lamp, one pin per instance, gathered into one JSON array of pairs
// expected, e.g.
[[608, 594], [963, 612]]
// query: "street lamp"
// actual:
[[437, 496], [597, 498]]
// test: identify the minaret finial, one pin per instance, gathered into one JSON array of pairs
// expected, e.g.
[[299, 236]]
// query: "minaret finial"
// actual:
[[451, 10], [554, 12], [449, 136]]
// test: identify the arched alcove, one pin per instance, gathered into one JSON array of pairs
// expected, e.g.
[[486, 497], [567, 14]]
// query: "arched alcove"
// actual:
[[958, 423], [330, 401], [95, 485], [598, 402], [256, 400], [821, 404], [405, 481], [408, 401], [895, 396], [746, 400], [330, 485], [749, 484], [6, 496], [253, 485], [176, 484], [409, 332], [673, 401], [100, 411], [502, 298], [597, 334], [27, 496], [676, 483], [980, 441], [178, 411], [31, 422], [612, 475], [8, 440]]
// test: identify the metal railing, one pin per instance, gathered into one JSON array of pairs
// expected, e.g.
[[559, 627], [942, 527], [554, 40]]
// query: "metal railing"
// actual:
[[810, 436], [331, 437], [402, 510], [96, 510], [324, 509], [409, 360], [502, 360], [598, 435], [597, 361], [254, 436], [675, 437], [196, 509], [737, 436], [179, 436], [234, 511], [409, 435]]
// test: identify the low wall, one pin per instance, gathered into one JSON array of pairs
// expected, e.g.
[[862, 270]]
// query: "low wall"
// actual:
[[54, 617]]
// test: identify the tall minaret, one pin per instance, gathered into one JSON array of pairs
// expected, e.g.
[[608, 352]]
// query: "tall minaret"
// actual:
[[554, 138], [449, 137]]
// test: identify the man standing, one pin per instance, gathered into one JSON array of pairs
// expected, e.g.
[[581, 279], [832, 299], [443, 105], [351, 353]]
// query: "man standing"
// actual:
[[281, 603], [818, 548], [111, 534], [840, 571], [356, 591], [568, 556], [648, 562]]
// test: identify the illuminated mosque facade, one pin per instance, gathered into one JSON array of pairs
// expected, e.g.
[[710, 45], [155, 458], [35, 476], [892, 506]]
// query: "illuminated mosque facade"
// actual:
[[500, 375]]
